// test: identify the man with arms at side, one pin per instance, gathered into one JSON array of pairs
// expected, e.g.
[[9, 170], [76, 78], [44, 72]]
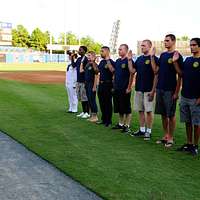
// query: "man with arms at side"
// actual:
[[145, 90], [190, 98], [168, 87], [123, 82]]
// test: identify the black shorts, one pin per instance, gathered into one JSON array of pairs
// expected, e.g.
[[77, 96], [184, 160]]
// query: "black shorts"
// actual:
[[122, 102]]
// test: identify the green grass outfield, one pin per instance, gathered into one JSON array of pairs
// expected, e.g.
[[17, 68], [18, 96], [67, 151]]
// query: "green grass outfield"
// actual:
[[33, 67], [114, 165]]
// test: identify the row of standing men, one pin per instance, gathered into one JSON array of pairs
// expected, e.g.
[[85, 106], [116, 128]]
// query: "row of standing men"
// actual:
[[162, 77]]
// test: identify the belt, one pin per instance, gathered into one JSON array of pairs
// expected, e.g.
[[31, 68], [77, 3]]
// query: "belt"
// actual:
[[108, 81]]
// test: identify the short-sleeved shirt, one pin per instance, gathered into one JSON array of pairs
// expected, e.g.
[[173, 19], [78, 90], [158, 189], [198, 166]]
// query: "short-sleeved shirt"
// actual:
[[80, 76], [145, 73], [167, 79], [89, 73], [122, 74], [105, 73], [191, 78]]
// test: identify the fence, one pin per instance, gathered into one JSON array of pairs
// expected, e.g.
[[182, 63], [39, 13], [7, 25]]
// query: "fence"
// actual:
[[22, 57]]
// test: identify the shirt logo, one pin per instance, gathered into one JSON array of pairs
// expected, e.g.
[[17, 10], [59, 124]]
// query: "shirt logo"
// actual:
[[106, 66], [147, 62], [123, 66], [170, 61], [195, 64], [89, 68]]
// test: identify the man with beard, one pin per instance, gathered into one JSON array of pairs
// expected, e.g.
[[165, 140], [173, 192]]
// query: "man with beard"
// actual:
[[81, 92]]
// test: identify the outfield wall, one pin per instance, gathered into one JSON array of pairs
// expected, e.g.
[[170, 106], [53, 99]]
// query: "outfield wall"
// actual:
[[16, 57]]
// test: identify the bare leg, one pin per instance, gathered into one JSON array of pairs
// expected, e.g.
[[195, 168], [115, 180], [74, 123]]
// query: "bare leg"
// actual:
[[149, 120], [172, 126], [121, 119], [165, 124], [189, 131], [196, 134], [128, 119], [142, 119]]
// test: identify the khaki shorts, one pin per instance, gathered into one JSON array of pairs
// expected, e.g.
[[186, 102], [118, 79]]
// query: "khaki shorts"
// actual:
[[142, 103], [81, 92]]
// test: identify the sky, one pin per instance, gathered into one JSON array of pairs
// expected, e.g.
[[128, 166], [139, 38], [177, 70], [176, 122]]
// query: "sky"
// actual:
[[140, 19]]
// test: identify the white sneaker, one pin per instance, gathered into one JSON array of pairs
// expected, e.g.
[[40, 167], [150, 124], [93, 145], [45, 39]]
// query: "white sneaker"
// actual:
[[81, 114], [85, 116], [147, 136]]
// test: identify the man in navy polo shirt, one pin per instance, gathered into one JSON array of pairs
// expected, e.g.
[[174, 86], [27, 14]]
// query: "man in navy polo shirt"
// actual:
[[168, 88], [106, 69], [144, 90], [190, 98], [81, 92], [123, 82]]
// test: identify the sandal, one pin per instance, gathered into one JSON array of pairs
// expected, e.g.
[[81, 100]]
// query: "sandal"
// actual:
[[162, 141], [169, 143]]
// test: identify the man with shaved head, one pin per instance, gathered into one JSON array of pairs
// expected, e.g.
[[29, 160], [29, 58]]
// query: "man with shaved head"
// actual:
[[123, 82], [145, 90]]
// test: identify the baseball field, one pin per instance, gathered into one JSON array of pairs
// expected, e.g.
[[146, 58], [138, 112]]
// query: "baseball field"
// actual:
[[33, 104]]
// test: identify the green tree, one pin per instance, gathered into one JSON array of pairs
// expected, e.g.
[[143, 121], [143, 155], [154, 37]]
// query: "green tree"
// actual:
[[39, 40], [47, 37], [71, 39], [183, 38], [20, 37], [91, 44]]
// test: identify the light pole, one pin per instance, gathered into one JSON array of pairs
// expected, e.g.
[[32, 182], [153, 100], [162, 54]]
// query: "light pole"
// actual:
[[79, 10], [65, 36]]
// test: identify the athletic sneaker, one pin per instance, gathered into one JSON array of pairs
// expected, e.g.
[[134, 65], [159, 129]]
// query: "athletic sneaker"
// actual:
[[126, 130], [185, 148], [194, 150], [85, 116], [138, 134], [147, 136], [81, 114], [117, 126]]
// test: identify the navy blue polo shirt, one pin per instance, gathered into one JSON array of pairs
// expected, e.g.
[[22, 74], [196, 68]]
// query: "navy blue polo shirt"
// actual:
[[191, 78], [145, 74], [105, 73], [167, 79], [89, 73], [80, 76], [122, 74]]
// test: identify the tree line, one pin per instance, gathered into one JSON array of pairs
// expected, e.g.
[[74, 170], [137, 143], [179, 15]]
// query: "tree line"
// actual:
[[38, 39]]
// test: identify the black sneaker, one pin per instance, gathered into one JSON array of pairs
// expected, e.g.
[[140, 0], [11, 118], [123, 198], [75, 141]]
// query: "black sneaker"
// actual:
[[126, 130], [138, 134], [185, 148], [107, 124], [117, 126], [69, 112], [194, 150]]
